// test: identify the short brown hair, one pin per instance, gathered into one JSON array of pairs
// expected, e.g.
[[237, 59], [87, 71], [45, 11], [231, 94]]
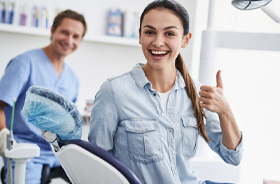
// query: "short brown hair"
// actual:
[[69, 14]]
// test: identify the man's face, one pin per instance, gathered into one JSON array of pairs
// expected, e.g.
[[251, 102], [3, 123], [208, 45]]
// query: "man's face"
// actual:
[[67, 36]]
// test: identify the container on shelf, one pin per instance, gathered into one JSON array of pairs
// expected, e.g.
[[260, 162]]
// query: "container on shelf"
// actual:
[[115, 22]]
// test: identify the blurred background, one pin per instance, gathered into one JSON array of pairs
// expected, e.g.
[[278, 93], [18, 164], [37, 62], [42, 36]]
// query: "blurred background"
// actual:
[[250, 75]]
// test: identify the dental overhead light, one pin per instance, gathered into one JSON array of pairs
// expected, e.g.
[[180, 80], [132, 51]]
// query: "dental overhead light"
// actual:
[[255, 4], [249, 4]]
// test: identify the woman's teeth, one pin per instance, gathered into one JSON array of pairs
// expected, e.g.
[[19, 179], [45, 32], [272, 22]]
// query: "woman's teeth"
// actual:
[[159, 52]]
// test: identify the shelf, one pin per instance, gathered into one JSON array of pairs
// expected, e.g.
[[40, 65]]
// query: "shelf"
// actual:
[[24, 30], [114, 40], [46, 33]]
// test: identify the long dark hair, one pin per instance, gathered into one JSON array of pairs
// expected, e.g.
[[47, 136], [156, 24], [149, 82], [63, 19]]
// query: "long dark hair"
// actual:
[[183, 15]]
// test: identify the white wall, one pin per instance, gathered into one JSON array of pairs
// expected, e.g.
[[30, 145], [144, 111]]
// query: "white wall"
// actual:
[[252, 90], [250, 80]]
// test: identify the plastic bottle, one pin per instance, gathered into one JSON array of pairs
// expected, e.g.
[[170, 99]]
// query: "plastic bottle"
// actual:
[[23, 15], [34, 19], [131, 24], [10, 16], [43, 17], [3, 12]]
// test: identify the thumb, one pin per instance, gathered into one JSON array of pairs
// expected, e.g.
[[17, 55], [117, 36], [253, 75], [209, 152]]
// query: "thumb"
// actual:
[[219, 79]]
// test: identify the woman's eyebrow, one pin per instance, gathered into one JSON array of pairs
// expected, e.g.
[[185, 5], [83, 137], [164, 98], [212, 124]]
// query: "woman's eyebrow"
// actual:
[[168, 27], [149, 27]]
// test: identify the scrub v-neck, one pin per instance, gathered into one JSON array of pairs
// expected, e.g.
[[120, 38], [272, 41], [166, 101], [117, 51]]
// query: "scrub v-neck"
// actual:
[[52, 71]]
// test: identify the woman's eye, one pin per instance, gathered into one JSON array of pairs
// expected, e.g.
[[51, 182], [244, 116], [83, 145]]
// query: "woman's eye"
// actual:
[[149, 32], [170, 34]]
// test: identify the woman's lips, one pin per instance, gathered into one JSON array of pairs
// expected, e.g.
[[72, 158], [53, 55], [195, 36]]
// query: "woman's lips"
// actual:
[[158, 54]]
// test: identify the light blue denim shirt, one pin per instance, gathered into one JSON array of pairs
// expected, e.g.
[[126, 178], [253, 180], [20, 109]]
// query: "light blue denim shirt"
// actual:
[[128, 120]]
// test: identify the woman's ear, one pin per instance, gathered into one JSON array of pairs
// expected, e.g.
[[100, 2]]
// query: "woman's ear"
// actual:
[[186, 40], [140, 37]]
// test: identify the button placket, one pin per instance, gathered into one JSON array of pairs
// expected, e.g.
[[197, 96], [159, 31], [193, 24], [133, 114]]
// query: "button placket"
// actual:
[[155, 98], [171, 106], [172, 151]]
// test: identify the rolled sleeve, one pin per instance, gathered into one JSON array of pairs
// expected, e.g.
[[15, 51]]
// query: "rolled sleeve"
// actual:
[[214, 132], [232, 156]]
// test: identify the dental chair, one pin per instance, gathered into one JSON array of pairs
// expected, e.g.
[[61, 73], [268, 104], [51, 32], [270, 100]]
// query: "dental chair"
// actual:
[[86, 163], [61, 125]]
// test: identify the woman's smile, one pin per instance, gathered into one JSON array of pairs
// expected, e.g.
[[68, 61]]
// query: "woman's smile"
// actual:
[[158, 54], [161, 37]]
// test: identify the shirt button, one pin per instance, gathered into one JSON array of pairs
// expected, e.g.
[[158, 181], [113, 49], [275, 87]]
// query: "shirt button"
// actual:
[[175, 172], [171, 111], [171, 130], [173, 152], [162, 114], [155, 94]]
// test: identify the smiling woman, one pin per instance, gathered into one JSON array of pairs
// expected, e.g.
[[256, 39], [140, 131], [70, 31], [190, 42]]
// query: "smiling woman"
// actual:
[[150, 118], [162, 37]]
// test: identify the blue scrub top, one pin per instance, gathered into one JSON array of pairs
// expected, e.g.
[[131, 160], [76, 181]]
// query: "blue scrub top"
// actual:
[[33, 68]]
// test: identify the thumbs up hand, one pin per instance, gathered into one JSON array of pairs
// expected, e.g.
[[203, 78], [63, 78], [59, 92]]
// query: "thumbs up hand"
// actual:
[[212, 98], [219, 80]]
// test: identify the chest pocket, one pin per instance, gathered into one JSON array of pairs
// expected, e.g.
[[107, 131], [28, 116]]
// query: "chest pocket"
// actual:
[[144, 141], [189, 136]]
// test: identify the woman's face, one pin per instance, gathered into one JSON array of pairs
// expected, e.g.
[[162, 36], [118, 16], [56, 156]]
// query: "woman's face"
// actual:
[[161, 37]]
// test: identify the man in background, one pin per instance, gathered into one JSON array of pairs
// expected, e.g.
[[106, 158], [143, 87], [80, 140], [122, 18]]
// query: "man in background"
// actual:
[[43, 67]]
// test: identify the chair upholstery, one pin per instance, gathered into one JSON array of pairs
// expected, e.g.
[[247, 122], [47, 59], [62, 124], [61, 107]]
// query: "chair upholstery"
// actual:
[[88, 163]]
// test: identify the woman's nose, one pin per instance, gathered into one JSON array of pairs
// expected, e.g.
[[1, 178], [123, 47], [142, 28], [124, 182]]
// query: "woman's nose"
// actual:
[[159, 41]]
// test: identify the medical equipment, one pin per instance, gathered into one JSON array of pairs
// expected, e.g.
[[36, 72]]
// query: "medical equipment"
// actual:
[[61, 123], [51, 111], [213, 39], [20, 153], [87, 163], [255, 4]]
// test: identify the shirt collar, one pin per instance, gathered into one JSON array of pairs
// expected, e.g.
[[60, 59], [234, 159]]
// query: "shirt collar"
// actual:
[[139, 75], [180, 82], [141, 79]]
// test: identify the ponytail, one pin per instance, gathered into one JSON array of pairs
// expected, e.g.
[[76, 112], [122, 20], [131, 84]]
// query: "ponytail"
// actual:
[[191, 91]]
